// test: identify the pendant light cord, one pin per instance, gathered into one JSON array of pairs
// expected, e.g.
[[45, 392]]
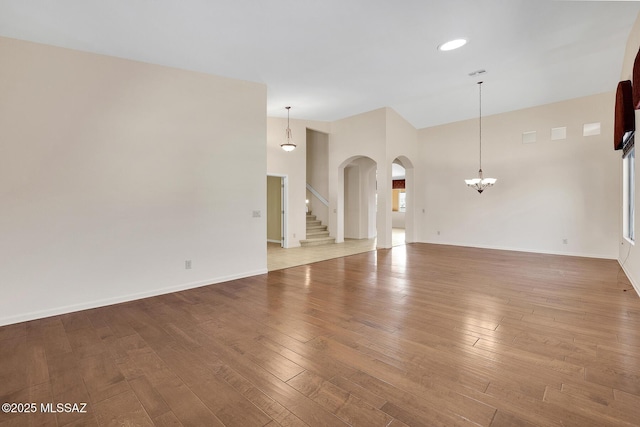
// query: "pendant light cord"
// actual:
[[480, 122], [288, 127]]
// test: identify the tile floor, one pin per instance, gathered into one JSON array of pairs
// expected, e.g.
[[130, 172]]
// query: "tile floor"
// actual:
[[279, 258]]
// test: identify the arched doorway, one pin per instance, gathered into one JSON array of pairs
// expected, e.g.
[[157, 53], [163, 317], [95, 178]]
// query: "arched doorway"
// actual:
[[357, 199], [402, 215]]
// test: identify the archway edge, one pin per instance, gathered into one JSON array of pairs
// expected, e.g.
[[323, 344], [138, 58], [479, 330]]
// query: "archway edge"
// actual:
[[404, 161], [347, 161]]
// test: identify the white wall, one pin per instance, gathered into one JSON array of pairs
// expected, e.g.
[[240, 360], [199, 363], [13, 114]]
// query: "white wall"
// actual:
[[352, 203], [546, 191], [360, 199], [629, 255], [114, 172], [293, 165], [398, 219]]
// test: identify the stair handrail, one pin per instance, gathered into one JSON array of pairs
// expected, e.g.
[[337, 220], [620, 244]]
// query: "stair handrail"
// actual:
[[318, 195]]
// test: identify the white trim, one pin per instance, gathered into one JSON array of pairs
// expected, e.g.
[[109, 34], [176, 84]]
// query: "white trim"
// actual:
[[285, 213], [318, 195], [628, 189], [285, 208], [274, 241], [125, 298], [636, 286]]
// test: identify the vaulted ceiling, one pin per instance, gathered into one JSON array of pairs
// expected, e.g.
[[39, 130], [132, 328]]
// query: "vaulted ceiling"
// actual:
[[331, 59]]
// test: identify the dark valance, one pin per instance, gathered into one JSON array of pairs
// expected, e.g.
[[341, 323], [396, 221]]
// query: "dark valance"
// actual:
[[398, 184]]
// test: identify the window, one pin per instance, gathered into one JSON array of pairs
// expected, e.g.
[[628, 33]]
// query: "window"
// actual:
[[398, 200], [629, 194], [402, 202]]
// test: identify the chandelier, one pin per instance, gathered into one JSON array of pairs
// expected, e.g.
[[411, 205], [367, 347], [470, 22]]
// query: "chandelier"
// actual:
[[480, 183], [289, 145]]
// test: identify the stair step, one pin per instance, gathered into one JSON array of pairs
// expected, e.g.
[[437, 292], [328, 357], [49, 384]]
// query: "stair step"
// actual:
[[316, 228], [317, 234], [314, 234], [318, 241]]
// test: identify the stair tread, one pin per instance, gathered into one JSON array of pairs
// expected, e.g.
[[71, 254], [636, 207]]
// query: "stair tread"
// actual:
[[318, 239]]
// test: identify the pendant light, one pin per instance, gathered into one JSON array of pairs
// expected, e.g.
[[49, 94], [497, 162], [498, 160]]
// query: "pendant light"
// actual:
[[289, 145], [481, 182]]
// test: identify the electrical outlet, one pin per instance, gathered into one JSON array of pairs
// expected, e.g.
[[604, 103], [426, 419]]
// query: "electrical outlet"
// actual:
[[256, 214], [187, 264], [565, 241], [438, 232], [294, 235]]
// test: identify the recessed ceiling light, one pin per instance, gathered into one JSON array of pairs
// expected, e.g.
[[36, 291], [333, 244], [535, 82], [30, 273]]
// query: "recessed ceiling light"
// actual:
[[453, 44]]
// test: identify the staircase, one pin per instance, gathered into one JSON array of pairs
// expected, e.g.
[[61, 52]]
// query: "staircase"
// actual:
[[317, 233]]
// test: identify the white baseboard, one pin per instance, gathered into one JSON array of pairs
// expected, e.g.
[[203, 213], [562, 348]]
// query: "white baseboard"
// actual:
[[536, 251], [635, 285], [124, 298]]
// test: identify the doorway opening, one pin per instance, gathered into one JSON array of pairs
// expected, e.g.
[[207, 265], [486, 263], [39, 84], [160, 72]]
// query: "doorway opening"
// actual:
[[402, 201], [398, 203], [277, 210], [357, 205]]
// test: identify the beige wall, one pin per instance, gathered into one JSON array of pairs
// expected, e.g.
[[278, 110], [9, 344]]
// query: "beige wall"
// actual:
[[546, 191], [113, 173]]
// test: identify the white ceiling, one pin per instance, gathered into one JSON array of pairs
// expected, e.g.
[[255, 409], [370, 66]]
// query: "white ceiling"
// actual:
[[331, 59]]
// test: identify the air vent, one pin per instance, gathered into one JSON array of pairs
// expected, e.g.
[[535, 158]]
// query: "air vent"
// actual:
[[529, 137], [558, 133], [477, 73], [591, 129]]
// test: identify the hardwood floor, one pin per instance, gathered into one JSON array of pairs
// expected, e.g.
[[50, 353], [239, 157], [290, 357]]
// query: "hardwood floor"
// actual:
[[419, 335]]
